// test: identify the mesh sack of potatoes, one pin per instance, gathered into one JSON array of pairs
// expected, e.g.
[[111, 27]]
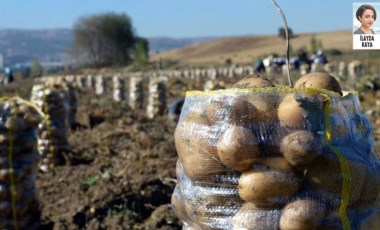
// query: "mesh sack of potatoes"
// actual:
[[136, 92], [259, 156], [52, 100], [157, 97], [19, 204], [72, 94]]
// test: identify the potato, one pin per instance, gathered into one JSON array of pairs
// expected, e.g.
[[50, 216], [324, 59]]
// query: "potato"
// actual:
[[16, 175], [233, 110], [216, 110], [266, 107], [238, 148], [253, 81], [325, 176], [275, 163], [340, 124], [204, 209], [319, 80], [252, 217], [264, 185], [201, 167], [302, 214], [190, 137], [198, 114], [298, 111], [6, 194], [291, 114], [301, 147]]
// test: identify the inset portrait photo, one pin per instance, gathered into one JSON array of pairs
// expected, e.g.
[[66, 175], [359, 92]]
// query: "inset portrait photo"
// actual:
[[366, 25]]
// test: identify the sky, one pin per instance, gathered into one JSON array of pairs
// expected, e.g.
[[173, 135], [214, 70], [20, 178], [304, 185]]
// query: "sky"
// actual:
[[186, 18]]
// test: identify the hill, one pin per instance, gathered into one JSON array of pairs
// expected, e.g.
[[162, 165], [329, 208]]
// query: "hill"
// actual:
[[19, 46], [166, 43], [245, 49]]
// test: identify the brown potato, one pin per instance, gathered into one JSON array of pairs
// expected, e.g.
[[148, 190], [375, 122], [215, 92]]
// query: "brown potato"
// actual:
[[302, 214], [198, 114], [291, 114], [201, 167], [300, 148], [16, 175], [325, 176], [267, 186], [6, 194], [238, 148], [193, 137], [253, 81], [216, 110], [252, 217], [276, 163], [202, 212], [266, 106], [319, 80], [233, 110], [300, 111], [340, 123]]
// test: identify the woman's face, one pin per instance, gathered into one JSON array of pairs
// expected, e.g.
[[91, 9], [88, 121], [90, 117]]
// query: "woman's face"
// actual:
[[367, 18]]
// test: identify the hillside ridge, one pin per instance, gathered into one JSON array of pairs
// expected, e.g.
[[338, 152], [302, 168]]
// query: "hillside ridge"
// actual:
[[246, 49]]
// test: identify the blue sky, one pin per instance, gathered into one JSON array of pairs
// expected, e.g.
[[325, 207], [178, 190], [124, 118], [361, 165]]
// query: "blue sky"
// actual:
[[185, 18]]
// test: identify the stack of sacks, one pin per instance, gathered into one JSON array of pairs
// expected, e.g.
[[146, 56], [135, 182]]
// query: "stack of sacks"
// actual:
[[52, 100], [136, 92], [118, 88], [19, 204], [157, 97]]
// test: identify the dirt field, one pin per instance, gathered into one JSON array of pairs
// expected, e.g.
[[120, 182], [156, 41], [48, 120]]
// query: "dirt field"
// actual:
[[120, 172]]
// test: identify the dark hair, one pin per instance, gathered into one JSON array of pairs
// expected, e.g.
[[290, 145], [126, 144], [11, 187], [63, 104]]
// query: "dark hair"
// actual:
[[364, 7]]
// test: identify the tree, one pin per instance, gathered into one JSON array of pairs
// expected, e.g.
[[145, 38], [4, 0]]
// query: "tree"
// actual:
[[104, 39], [282, 32], [141, 54], [36, 69], [313, 44]]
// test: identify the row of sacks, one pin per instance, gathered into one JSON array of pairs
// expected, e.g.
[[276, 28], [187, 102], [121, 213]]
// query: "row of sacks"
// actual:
[[156, 104], [352, 69], [259, 156]]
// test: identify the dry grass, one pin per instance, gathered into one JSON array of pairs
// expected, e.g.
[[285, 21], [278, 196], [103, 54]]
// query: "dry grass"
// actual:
[[246, 49]]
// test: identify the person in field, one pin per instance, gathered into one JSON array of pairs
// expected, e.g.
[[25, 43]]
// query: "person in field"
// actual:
[[8, 75]]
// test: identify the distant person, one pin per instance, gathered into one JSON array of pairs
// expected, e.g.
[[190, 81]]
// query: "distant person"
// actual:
[[303, 57], [259, 66], [8, 75], [160, 67], [175, 109], [366, 15], [294, 63], [320, 58]]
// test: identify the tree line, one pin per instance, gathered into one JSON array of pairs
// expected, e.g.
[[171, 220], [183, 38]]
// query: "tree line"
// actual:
[[108, 40]]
